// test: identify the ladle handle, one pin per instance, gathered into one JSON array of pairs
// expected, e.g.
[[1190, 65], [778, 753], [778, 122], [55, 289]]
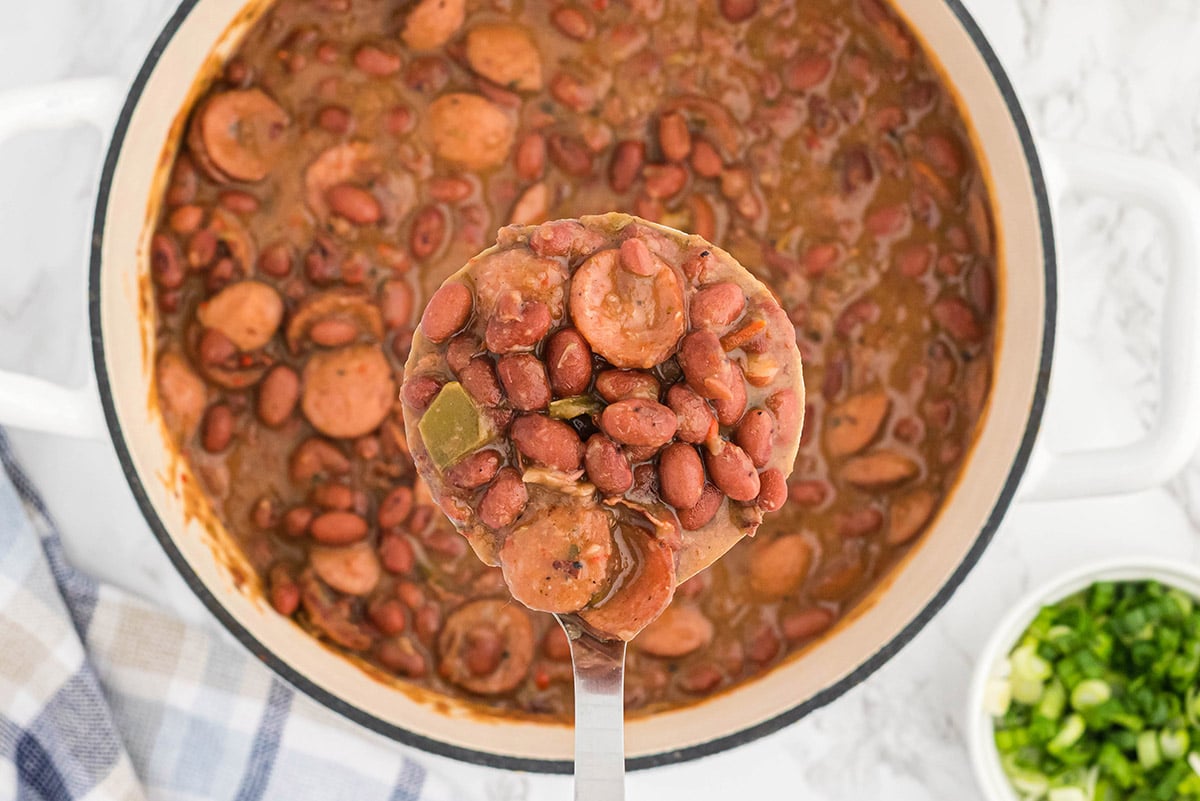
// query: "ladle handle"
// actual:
[[599, 716]]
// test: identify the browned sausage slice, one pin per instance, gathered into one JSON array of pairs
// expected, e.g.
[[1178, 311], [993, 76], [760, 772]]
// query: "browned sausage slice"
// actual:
[[640, 599], [470, 130], [535, 278], [181, 394], [348, 392], [486, 646], [559, 560], [237, 135], [632, 320], [248, 313]]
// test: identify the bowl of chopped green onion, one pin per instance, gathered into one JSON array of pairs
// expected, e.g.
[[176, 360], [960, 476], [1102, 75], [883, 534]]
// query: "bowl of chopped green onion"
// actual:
[[1090, 689]]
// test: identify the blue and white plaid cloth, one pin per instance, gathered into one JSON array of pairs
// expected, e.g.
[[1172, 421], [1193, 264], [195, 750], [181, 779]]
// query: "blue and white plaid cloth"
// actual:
[[103, 696]]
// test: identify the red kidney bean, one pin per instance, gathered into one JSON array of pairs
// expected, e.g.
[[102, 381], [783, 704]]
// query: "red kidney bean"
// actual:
[[297, 520], [786, 407], [276, 260], [636, 258], [706, 161], [626, 166], [572, 92], [395, 303], [395, 507], [166, 262], [773, 490], [504, 500], [674, 137], [549, 442], [663, 181], [733, 472], [338, 528], [959, 320], [696, 419], [388, 615], [215, 348], [701, 679], [376, 61], [449, 190], [810, 492], [705, 365], [400, 657], [763, 645], [606, 466], [568, 362], [529, 160], [396, 553], [461, 350], [569, 155], [524, 379], [639, 422], [704, 511], [428, 619], [717, 306], [185, 219], [333, 333], [314, 457], [217, 428], [859, 522], [475, 470], [285, 595], [398, 120], [681, 475], [730, 410], [805, 623], [447, 312], [573, 23], [354, 204], [618, 385], [428, 232], [277, 395], [419, 391], [738, 10], [755, 434], [806, 71], [479, 380], [335, 119], [184, 183], [201, 249], [517, 325], [333, 497], [239, 202]]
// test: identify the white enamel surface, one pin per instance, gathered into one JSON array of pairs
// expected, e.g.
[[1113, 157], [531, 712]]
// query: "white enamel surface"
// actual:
[[941, 551], [984, 757], [899, 734]]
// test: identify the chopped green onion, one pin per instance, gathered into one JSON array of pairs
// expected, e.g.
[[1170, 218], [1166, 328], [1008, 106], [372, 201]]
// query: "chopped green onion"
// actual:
[[1090, 693], [1173, 743], [1068, 794], [996, 697], [1102, 700], [1148, 753], [1027, 665], [1068, 734]]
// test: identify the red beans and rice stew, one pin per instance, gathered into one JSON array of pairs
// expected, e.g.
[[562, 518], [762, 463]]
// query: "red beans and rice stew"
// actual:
[[354, 153]]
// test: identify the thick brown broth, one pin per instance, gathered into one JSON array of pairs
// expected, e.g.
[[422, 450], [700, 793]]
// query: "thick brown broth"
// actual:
[[814, 141]]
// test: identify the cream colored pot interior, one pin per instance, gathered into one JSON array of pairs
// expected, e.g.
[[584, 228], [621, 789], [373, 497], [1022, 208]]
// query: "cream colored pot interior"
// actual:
[[895, 606]]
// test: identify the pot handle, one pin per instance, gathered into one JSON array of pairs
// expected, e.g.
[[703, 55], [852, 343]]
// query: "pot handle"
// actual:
[[26, 401], [1174, 435]]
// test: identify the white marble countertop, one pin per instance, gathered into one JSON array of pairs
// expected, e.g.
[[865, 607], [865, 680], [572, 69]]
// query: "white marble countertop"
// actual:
[[1123, 73]]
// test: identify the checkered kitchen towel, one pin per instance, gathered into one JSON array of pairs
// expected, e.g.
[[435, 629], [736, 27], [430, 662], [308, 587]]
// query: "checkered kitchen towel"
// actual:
[[103, 696]]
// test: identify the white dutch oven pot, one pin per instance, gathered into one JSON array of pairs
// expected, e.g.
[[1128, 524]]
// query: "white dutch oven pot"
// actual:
[[900, 607]]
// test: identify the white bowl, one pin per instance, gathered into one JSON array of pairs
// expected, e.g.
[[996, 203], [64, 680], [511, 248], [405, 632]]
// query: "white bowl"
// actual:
[[985, 760]]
